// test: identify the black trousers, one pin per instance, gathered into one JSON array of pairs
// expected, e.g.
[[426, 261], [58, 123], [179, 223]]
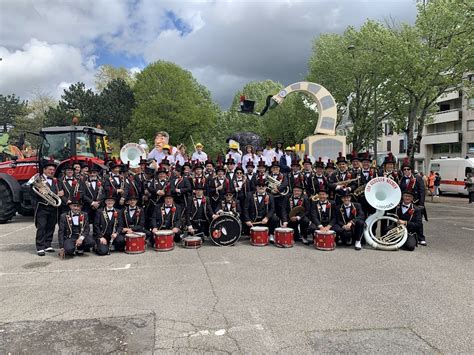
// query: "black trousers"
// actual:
[[45, 221], [70, 245], [352, 235], [118, 243], [302, 231], [471, 197], [201, 227], [411, 242]]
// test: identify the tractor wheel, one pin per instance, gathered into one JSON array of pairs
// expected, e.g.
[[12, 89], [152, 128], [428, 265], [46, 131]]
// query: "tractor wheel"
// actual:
[[7, 206], [25, 211]]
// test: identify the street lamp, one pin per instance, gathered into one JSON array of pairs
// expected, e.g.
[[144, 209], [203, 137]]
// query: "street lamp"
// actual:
[[350, 48]]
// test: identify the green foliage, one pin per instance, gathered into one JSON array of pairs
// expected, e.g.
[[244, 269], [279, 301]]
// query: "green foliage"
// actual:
[[11, 109], [169, 98], [117, 102], [107, 73]]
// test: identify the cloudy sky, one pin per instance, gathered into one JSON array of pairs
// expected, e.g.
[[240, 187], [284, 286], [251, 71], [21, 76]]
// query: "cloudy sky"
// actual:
[[46, 45]]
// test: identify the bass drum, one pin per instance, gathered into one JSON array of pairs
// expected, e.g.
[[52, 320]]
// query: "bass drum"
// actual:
[[225, 230]]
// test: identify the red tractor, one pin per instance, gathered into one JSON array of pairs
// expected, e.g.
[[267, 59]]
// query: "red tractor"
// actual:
[[59, 143]]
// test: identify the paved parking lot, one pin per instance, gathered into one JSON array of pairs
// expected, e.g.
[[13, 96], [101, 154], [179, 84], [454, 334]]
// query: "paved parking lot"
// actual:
[[243, 299]]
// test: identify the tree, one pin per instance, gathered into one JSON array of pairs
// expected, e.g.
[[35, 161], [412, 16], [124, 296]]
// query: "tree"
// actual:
[[117, 102], [429, 58], [352, 65], [107, 73], [76, 101], [169, 98], [11, 108]]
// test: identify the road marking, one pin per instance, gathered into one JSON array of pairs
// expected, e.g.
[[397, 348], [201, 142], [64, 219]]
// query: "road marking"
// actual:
[[17, 230], [126, 267], [218, 262], [267, 337], [221, 332], [468, 229]]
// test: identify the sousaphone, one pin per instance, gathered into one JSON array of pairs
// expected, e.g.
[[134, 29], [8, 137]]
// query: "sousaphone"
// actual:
[[132, 153]]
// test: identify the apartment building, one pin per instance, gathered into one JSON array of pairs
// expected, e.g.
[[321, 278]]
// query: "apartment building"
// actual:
[[450, 133]]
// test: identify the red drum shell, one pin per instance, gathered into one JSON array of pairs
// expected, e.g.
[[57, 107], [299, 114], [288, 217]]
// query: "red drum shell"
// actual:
[[325, 240], [284, 237], [192, 242], [259, 236], [135, 243], [164, 240]]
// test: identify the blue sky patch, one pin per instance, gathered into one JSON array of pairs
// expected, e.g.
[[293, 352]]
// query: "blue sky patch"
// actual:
[[173, 21]]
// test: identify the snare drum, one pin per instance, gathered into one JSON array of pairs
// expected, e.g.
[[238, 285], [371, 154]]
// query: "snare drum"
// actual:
[[325, 240], [164, 240], [284, 237], [192, 242], [135, 243], [259, 236]]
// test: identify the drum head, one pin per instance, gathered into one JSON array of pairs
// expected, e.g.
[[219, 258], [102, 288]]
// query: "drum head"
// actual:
[[192, 239], [259, 229], [284, 230], [132, 235], [225, 230], [164, 232]]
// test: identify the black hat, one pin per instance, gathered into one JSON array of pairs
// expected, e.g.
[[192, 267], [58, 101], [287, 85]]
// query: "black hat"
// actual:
[[389, 159], [198, 186], [239, 168], [250, 164], [330, 164], [168, 191], [131, 195], [298, 184], [48, 162], [275, 162], [409, 192], [68, 166], [323, 188], [343, 192], [149, 170], [76, 199], [341, 159], [198, 165], [220, 167], [246, 106], [295, 160], [230, 160], [307, 160], [113, 164], [161, 169], [111, 194], [165, 161], [406, 163], [354, 156], [261, 162], [143, 161], [365, 157], [261, 182], [209, 161], [187, 163], [124, 167], [319, 164]]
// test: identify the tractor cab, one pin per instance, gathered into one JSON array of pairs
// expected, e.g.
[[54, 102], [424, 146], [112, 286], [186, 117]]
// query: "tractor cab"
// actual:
[[62, 143]]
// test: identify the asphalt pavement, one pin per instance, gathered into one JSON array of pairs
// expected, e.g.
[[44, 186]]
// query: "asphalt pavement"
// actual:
[[243, 299]]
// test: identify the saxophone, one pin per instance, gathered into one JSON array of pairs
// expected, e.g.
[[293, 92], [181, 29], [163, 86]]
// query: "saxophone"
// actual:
[[42, 189]]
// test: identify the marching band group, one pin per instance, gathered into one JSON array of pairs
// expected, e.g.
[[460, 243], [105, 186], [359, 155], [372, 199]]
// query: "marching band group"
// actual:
[[186, 196]]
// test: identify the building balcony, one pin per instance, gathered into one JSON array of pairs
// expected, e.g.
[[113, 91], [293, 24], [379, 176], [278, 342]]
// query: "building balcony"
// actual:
[[450, 95], [446, 116], [440, 138]]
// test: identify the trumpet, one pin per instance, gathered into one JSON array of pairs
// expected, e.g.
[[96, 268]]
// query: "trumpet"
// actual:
[[40, 188], [315, 197]]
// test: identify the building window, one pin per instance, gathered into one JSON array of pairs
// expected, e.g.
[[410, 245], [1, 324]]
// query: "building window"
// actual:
[[440, 148], [401, 148], [418, 148], [389, 146], [456, 148], [444, 107], [471, 102], [470, 125], [470, 148], [388, 129]]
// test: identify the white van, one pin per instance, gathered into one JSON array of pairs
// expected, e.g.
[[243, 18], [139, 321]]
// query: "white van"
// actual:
[[453, 172]]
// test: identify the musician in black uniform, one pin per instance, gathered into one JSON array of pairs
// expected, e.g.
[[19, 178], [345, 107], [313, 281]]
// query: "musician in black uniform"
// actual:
[[46, 216], [308, 175], [149, 195], [320, 180], [338, 177], [251, 176], [300, 221], [93, 193], [410, 216], [414, 184], [229, 205], [259, 209], [209, 169], [167, 216], [350, 218], [73, 233], [218, 186], [330, 168], [241, 186], [199, 178], [116, 181], [180, 188], [367, 173], [132, 218], [199, 213], [106, 225], [278, 193], [323, 213], [295, 176], [71, 185]]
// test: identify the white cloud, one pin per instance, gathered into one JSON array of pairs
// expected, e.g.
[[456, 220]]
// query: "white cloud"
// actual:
[[46, 67]]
